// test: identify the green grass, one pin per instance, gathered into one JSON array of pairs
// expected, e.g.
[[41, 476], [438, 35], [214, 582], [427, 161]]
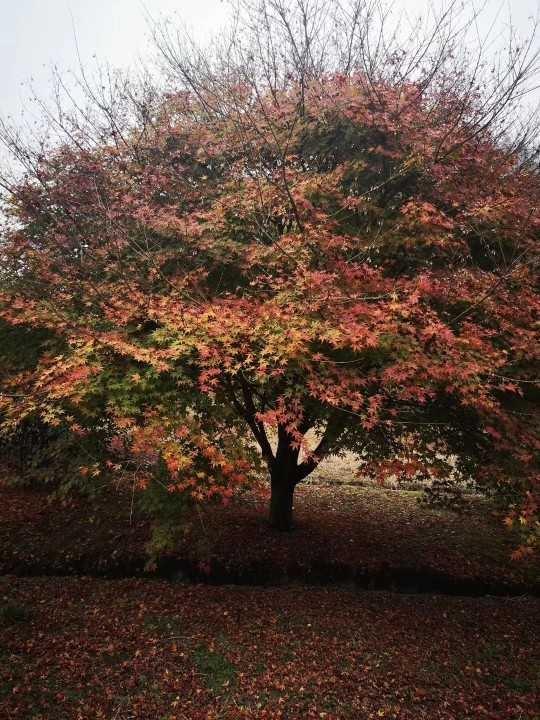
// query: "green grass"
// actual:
[[11, 614], [218, 673], [165, 626]]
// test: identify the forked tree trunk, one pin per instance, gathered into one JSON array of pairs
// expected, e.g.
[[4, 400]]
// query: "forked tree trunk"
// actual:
[[281, 501]]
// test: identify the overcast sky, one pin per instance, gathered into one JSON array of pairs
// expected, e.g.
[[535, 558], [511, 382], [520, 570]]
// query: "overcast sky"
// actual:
[[35, 34]]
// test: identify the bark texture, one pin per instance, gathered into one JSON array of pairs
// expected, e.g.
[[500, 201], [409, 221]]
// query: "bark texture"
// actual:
[[281, 502]]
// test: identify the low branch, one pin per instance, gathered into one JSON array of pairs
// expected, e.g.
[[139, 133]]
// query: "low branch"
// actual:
[[248, 412]]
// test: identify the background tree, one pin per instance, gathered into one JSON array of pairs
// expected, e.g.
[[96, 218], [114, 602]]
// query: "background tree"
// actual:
[[321, 224]]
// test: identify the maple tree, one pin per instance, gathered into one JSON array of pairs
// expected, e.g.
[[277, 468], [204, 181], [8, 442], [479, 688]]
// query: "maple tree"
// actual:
[[305, 235]]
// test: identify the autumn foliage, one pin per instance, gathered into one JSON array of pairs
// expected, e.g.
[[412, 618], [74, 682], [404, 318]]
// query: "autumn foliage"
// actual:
[[246, 261]]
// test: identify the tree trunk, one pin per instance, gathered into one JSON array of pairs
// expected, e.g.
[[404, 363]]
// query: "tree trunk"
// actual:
[[281, 502], [283, 479]]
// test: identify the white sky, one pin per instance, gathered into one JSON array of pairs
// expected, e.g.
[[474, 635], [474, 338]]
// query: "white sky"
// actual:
[[35, 34]]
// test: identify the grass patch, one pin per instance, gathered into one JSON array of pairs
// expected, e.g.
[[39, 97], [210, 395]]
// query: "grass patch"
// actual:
[[521, 684], [494, 651], [164, 626], [12, 614], [217, 671]]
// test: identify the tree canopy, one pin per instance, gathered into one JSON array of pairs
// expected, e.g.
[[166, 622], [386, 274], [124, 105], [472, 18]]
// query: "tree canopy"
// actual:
[[296, 235]]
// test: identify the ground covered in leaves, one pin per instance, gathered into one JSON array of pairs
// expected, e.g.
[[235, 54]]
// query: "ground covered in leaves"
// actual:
[[80, 648], [369, 536]]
